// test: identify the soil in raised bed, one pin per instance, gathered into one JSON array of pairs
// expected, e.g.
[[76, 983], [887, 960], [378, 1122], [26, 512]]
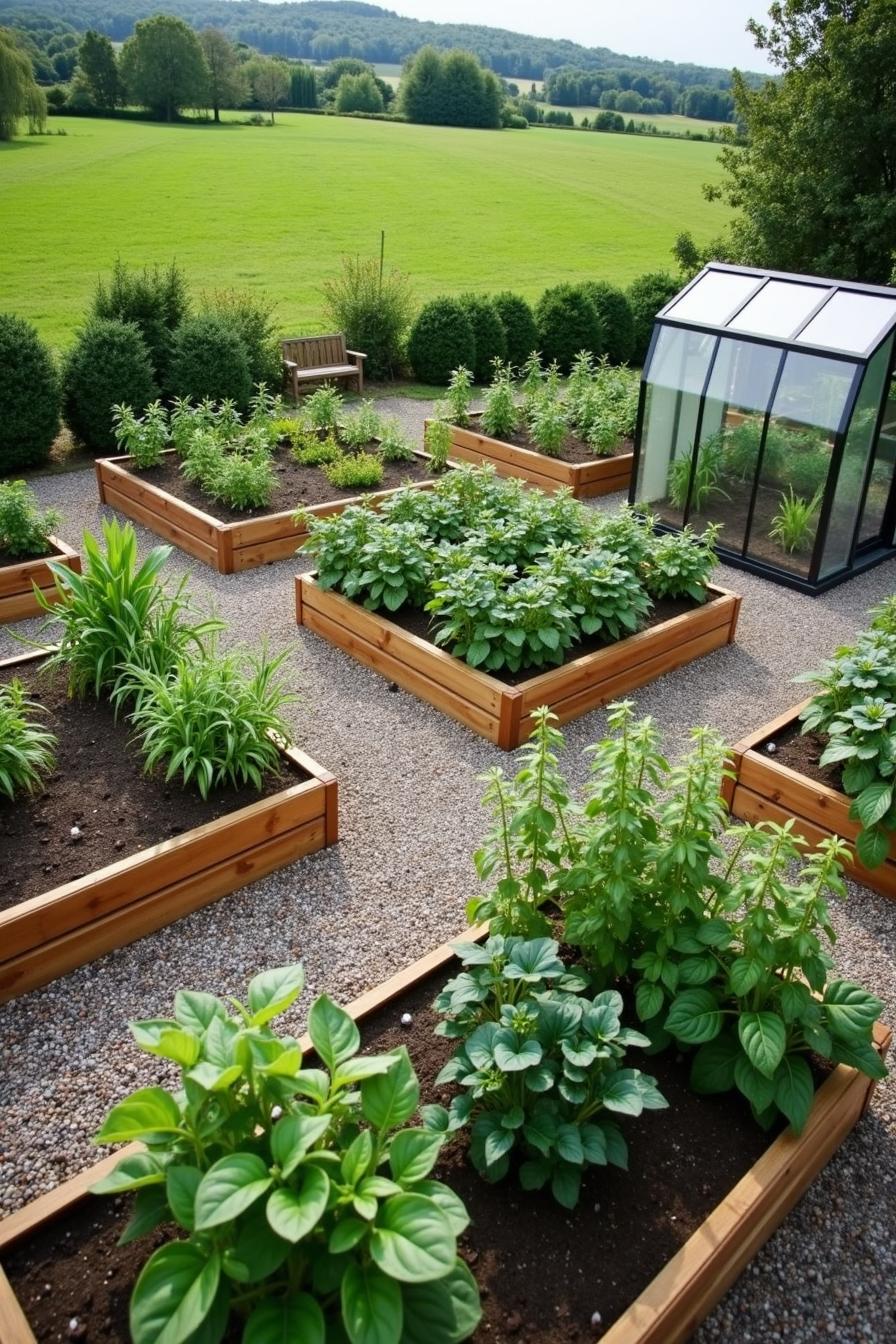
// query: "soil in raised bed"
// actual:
[[801, 752], [297, 486], [573, 449], [8, 560], [100, 787], [419, 623], [543, 1270]]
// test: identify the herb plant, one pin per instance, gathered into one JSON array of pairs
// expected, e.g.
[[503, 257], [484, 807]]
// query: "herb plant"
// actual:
[[793, 526], [242, 480], [355, 471], [680, 563], [548, 425], [437, 442], [27, 751], [24, 529], [541, 1062], [304, 1206], [323, 407], [358, 429], [455, 405], [395, 446], [143, 437], [214, 721], [500, 416], [310, 450]]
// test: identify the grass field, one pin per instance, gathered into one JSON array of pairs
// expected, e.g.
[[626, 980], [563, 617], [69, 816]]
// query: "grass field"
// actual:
[[274, 208]]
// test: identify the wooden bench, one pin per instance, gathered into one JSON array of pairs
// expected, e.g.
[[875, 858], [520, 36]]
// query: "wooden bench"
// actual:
[[320, 359]]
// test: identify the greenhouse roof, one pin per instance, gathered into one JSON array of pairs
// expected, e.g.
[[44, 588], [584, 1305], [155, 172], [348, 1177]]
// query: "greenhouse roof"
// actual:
[[838, 317]]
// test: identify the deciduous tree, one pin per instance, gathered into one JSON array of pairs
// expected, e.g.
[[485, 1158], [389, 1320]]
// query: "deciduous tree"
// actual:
[[99, 70], [163, 66], [270, 82], [227, 83]]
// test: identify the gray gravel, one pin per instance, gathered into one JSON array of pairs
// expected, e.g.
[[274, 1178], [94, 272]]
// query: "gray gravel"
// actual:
[[396, 885]]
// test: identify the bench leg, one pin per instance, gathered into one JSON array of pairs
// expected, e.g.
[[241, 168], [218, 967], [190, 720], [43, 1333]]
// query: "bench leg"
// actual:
[[360, 378]]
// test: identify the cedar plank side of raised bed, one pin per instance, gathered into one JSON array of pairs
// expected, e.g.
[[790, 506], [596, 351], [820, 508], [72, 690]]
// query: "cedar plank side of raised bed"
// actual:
[[766, 790], [496, 711], [603, 476], [17, 580], [694, 1279]]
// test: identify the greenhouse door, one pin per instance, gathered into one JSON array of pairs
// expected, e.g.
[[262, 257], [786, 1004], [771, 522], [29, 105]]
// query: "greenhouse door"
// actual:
[[876, 527]]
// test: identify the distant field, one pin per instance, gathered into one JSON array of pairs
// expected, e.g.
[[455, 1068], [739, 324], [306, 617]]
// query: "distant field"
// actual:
[[274, 208]]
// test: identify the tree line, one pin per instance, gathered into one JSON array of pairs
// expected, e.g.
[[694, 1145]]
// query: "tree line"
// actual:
[[639, 94]]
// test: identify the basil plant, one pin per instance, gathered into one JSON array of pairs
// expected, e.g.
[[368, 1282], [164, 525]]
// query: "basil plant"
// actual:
[[541, 1063], [304, 1207]]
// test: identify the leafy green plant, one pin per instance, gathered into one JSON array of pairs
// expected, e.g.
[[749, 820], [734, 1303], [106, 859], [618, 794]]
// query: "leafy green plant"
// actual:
[[441, 339], [323, 407], [793, 526], [708, 472], [374, 309], [357, 471], [395, 446], [548, 425], [143, 437], [117, 615], [883, 616], [531, 381], [214, 721], [29, 396], [726, 937], [488, 333], [437, 443], [358, 429], [304, 1206], [107, 366], [242, 480], [310, 450], [27, 751], [24, 529], [209, 359], [455, 405], [500, 416], [679, 564], [540, 1060]]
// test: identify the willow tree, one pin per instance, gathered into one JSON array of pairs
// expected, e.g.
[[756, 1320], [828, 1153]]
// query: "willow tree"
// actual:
[[19, 95]]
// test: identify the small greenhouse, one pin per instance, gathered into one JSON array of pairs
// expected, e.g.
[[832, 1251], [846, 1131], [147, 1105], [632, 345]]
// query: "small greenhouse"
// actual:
[[767, 407]]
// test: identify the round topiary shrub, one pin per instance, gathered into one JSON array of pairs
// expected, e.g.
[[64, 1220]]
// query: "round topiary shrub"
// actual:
[[209, 360], [29, 396], [616, 319], [646, 296], [567, 322], [519, 326], [489, 333], [108, 364], [441, 339]]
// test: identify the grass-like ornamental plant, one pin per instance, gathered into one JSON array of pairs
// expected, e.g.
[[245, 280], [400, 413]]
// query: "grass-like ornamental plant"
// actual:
[[355, 471], [142, 436], [24, 529], [304, 1204], [323, 407], [854, 706], [723, 929], [27, 751], [793, 526], [706, 476], [213, 721], [117, 614], [541, 1061]]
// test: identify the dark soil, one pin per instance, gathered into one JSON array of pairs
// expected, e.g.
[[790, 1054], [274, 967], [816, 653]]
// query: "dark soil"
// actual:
[[297, 487], [99, 786], [419, 623], [543, 1271], [573, 448], [7, 558], [801, 752]]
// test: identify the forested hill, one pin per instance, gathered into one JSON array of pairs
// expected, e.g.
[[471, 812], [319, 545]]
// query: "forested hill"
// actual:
[[324, 29]]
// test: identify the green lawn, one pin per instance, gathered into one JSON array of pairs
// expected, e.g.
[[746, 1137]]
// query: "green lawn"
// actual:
[[274, 208]]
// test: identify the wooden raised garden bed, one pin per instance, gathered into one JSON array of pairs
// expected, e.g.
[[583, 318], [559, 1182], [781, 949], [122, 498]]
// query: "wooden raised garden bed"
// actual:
[[17, 580], [673, 1302], [602, 476], [764, 789], [489, 706], [48, 935], [227, 546]]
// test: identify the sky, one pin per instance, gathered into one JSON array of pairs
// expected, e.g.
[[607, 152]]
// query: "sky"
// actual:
[[707, 32]]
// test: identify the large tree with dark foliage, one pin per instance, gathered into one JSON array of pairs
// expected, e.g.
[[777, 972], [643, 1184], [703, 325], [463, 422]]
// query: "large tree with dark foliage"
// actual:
[[99, 68], [815, 186], [163, 66], [450, 90]]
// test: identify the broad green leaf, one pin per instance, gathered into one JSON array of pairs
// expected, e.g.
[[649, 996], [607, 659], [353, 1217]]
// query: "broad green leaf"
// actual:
[[714, 933], [874, 802], [794, 1090], [696, 970], [850, 1011], [273, 991], [413, 1153], [168, 1040], [861, 1056], [755, 1086], [445, 1311], [181, 1185], [228, 1188], [594, 1144], [764, 1039], [712, 1068], [174, 1293], [873, 846], [214, 1079], [794, 998], [145, 1114], [744, 975], [535, 1173], [293, 1135], [313, 1083], [498, 1142], [361, 1067], [357, 1158], [294, 1212], [512, 1058], [535, 959], [569, 1144], [333, 1034], [435, 1118], [149, 1211], [296, 1320], [132, 1172], [694, 1017], [372, 1310], [219, 1045], [622, 1094], [566, 1183], [392, 1098], [412, 1240], [257, 1251], [451, 1204], [346, 1235], [196, 1010], [649, 1000]]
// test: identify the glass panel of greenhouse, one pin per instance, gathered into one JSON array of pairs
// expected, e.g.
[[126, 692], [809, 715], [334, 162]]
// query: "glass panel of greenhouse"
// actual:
[[768, 409]]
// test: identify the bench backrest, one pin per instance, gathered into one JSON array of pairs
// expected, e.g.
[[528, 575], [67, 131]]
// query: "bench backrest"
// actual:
[[316, 352]]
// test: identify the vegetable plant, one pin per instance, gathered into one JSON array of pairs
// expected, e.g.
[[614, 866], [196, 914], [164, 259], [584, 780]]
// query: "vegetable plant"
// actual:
[[548, 425], [355, 471], [24, 529], [27, 750], [303, 1205], [323, 407], [793, 526], [242, 480], [540, 1059], [214, 721], [679, 563], [144, 437]]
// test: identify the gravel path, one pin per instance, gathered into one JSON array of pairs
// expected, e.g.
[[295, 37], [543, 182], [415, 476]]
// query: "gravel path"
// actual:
[[396, 885]]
